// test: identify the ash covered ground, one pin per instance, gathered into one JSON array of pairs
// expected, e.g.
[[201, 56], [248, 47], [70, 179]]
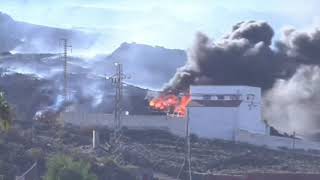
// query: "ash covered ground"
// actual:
[[148, 149], [33, 83]]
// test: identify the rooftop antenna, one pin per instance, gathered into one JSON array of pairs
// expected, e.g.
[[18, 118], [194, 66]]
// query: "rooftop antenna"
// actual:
[[65, 68]]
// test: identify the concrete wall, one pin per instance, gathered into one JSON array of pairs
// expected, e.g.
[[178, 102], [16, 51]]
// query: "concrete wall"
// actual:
[[85, 120], [213, 122], [284, 176], [211, 89], [204, 122], [275, 142], [249, 117], [223, 121], [265, 176]]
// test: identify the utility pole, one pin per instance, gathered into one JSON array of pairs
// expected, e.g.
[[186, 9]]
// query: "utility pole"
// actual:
[[65, 68], [186, 166], [117, 81]]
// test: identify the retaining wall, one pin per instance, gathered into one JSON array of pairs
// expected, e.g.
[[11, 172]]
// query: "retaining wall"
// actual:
[[177, 126], [275, 142], [283, 177], [265, 177], [85, 120]]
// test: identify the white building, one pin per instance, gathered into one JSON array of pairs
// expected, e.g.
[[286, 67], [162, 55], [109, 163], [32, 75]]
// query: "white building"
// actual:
[[215, 112], [220, 111]]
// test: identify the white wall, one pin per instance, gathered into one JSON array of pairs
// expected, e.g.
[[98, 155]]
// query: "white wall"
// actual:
[[85, 120], [213, 90], [213, 122], [204, 122], [221, 122], [274, 142], [249, 118]]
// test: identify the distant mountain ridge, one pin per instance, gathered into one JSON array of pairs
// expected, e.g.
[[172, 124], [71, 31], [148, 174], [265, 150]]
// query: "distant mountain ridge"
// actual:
[[28, 37], [33, 82], [150, 66], [40, 76]]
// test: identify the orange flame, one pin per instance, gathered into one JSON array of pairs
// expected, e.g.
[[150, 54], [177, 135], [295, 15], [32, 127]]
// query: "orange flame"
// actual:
[[167, 103]]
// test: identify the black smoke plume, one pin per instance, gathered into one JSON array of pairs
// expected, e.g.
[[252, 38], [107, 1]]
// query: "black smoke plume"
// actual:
[[287, 71], [243, 57], [303, 47]]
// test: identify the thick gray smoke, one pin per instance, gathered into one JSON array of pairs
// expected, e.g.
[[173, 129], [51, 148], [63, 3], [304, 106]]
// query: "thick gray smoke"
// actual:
[[242, 57], [246, 57], [303, 47], [293, 105]]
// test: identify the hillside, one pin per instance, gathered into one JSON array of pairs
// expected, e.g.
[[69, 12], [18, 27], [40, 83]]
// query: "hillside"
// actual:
[[148, 66], [147, 149], [33, 83], [26, 37]]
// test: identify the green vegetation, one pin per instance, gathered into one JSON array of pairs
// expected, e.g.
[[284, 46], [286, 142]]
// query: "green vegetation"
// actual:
[[5, 113], [61, 167]]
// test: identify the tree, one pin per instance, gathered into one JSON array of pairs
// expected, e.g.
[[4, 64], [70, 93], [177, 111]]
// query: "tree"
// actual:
[[5, 113], [62, 167]]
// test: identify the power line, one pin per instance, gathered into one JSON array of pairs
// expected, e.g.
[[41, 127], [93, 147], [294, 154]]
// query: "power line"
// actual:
[[186, 165], [117, 81], [65, 68]]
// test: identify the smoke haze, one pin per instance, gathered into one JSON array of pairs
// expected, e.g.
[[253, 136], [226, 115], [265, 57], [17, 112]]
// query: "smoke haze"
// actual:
[[243, 57], [247, 55], [287, 72], [293, 105]]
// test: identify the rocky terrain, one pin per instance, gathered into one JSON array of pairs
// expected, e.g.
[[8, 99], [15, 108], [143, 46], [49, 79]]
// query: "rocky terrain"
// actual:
[[33, 83], [146, 149], [165, 152]]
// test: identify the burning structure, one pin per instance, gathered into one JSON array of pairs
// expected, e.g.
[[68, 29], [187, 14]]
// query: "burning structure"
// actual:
[[216, 111], [172, 104], [239, 62]]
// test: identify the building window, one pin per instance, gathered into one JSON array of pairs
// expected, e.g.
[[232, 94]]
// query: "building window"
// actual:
[[214, 97], [220, 97], [228, 98], [235, 97], [206, 97]]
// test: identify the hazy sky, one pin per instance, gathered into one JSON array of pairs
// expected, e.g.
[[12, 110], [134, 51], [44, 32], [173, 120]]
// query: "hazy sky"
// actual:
[[169, 23]]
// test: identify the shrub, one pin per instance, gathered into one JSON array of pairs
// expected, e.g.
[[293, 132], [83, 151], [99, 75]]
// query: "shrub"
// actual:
[[5, 113], [61, 167], [35, 153]]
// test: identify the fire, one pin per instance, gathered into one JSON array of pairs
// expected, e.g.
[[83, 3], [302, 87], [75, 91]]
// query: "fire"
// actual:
[[171, 104]]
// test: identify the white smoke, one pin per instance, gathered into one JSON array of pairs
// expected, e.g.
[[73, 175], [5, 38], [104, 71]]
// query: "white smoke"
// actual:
[[293, 105], [53, 108], [95, 91], [47, 72]]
